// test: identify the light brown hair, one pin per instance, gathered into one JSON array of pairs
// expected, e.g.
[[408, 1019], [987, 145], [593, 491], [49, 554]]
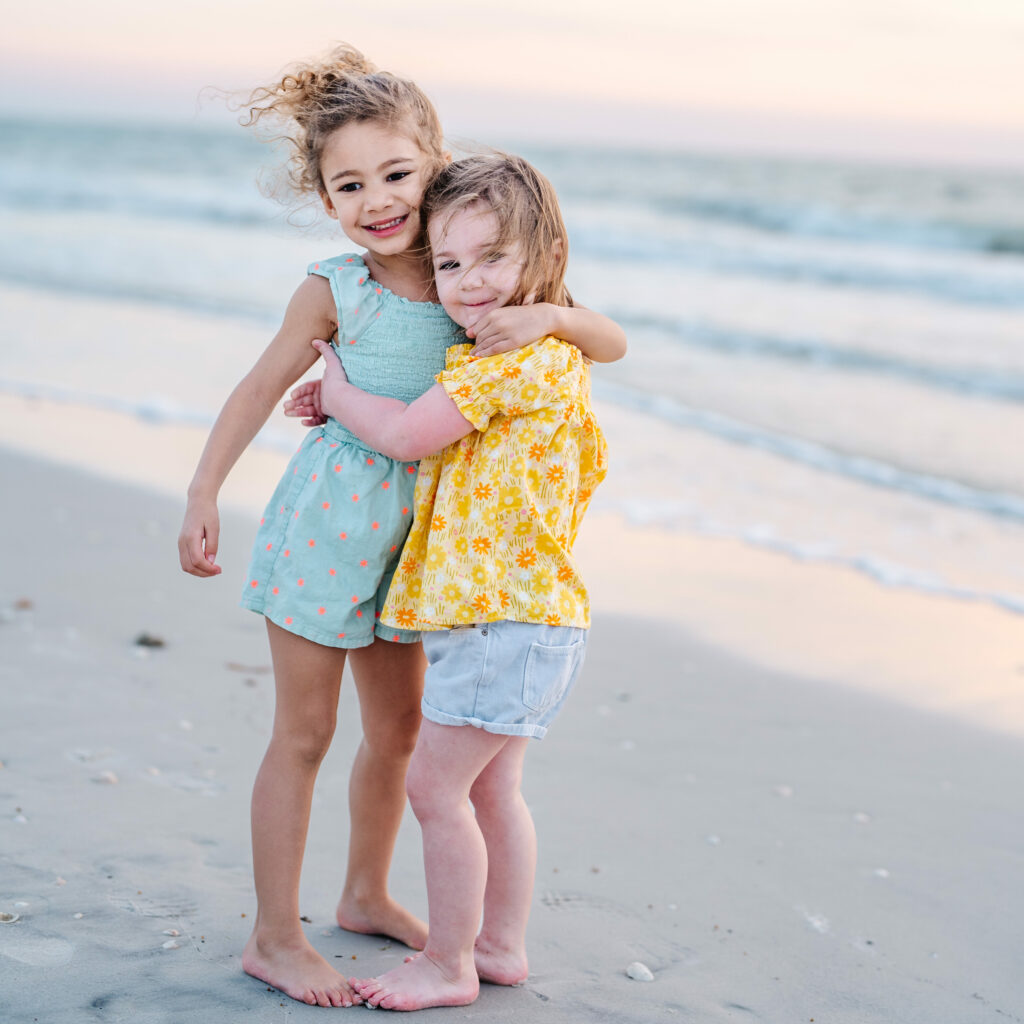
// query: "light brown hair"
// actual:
[[527, 209], [313, 99]]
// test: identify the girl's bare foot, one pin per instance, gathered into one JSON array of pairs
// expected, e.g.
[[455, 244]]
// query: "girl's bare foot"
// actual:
[[297, 970], [417, 984], [500, 966], [382, 918]]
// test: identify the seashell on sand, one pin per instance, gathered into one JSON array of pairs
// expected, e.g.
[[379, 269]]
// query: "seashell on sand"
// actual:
[[639, 972]]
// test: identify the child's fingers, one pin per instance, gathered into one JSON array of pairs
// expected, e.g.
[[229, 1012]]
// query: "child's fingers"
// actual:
[[493, 330], [492, 346], [212, 539], [196, 560]]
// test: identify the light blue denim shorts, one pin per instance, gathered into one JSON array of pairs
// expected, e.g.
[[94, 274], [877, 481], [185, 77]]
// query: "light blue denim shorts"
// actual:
[[505, 677]]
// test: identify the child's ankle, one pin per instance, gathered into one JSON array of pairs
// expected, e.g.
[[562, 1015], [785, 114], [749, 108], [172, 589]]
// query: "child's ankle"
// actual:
[[453, 964]]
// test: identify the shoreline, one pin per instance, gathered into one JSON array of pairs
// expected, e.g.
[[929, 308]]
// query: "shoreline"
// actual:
[[813, 619], [766, 844]]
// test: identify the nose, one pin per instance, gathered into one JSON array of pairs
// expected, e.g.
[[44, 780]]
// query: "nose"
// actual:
[[378, 197], [472, 278]]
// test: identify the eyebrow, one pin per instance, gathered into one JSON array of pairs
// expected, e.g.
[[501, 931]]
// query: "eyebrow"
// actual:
[[485, 247], [383, 167]]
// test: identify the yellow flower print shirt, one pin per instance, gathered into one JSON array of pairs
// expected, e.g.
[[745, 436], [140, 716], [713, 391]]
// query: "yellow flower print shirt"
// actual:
[[497, 512]]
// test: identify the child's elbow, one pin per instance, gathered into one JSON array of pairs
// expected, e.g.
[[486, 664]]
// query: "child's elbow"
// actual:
[[404, 447], [610, 350], [616, 349]]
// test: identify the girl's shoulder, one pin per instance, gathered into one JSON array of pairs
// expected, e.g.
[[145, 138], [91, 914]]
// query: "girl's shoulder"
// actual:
[[346, 264], [347, 273], [358, 299]]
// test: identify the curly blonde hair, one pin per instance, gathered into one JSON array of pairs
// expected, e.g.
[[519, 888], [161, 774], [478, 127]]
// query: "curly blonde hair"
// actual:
[[313, 99], [526, 206]]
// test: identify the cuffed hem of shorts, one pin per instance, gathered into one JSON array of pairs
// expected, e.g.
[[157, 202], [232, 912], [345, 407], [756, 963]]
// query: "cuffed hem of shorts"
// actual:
[[431, 713], [396, 636], [326, 639]]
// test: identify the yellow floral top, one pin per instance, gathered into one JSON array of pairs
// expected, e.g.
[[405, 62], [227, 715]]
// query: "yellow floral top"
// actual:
[[496, 512]]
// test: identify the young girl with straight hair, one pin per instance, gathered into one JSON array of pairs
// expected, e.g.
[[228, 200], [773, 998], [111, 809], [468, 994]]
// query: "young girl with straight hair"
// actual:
[[365, 144], [487, 571]]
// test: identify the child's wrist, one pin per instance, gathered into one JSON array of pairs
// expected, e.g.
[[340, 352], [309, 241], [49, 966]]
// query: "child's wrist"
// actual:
[[557, 323], [329, 401], [197, 494]]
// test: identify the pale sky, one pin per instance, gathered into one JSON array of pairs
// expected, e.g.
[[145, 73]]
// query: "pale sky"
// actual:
[[882, 77]]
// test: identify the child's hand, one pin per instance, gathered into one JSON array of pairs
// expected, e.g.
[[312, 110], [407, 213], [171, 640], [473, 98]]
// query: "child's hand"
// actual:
[[334, 379], [197, 542], [512, 327], [305, 401]]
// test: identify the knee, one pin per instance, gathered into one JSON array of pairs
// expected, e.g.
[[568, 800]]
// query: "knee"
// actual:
[[307, 741], [424, 789], [492, 792], [394, 736], [417, 787]]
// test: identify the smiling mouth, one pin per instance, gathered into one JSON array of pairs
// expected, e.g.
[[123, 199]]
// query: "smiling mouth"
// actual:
[[387, 225]]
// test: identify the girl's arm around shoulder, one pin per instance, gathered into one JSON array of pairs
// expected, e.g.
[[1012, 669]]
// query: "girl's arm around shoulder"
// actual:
[[310, 314], [600, 339], [400, 431]]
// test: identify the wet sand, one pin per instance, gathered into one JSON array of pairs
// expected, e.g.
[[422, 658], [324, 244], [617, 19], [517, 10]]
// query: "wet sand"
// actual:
[[773, 845]]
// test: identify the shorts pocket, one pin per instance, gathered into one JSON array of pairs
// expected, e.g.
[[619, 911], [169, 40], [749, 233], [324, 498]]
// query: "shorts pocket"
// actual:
[[550, 671]]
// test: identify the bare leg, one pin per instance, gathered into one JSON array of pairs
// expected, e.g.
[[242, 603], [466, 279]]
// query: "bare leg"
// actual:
[[445, 765], [307, 678], [511, 839], [389, 678]]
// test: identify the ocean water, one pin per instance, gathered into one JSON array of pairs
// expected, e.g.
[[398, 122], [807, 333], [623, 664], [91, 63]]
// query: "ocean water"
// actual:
[[826, 359]]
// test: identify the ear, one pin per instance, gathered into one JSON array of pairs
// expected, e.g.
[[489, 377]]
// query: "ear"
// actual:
[[557, 249], [329, 207], [447, 156]]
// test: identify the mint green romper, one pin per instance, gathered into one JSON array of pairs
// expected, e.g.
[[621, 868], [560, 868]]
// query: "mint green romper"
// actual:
[[331, 536]]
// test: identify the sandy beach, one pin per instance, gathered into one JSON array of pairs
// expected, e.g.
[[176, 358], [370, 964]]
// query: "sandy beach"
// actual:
[[773, 845], [787, 786]]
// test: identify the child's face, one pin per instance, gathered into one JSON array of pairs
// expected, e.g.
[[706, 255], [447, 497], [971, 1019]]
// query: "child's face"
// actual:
[[373, 179], [472, 278]]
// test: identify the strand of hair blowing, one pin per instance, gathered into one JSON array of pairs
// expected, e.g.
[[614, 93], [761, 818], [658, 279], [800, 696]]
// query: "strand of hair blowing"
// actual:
[[314, 98]]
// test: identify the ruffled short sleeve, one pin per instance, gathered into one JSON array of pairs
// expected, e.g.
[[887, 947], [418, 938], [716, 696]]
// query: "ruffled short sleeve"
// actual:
[[358, 298], [512, 383]]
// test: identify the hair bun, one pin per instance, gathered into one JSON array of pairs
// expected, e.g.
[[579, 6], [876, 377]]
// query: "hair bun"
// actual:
[[348, 59]]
